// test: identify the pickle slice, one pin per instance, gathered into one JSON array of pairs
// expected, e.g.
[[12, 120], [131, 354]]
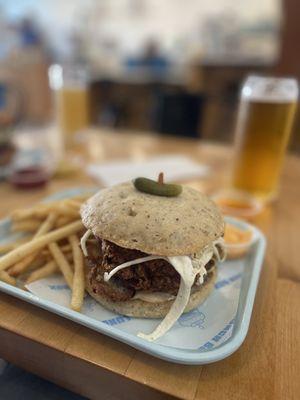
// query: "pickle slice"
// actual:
[[158, 189]]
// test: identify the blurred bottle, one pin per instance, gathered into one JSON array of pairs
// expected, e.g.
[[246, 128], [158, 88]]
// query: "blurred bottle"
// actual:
[[265, 119], [72, 105], [10, 111]]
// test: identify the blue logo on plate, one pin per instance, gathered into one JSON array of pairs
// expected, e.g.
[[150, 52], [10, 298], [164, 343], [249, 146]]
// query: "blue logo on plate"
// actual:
[[192, 319], [62, 286]]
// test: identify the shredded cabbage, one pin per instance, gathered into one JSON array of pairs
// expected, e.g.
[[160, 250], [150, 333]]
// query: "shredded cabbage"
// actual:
[[127, 264], [184, 267], [187, 267], [83, 241]]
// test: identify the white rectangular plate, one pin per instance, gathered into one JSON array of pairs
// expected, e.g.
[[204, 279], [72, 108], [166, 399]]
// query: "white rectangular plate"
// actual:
[[210, 333]]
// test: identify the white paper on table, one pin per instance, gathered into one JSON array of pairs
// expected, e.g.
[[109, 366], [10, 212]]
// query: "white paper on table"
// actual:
[[206, 327], [174, 167]]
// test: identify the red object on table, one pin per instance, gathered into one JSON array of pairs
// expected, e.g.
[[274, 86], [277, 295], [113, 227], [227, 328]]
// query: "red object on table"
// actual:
[[30, 177]]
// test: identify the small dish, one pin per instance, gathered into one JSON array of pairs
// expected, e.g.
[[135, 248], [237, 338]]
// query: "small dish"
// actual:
[[237, 203], [30, 177], [238, 250]]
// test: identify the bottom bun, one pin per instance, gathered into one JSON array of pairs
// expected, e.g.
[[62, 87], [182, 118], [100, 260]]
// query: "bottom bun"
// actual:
[[144, 309]]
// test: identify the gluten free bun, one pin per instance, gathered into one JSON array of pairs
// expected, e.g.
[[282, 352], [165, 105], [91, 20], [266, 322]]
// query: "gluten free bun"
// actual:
[[143, 309], [167, 226]]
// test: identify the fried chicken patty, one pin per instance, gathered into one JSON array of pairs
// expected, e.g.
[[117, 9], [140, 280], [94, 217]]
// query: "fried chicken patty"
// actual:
[[153, 276]]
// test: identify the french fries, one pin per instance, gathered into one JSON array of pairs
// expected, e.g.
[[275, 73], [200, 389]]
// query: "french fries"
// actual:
[[78, 279], [62, 263], [23, 265], [25, 249], [46, 270], [43, 272], [64, 248], [47, 225], [62, 221], [82, 197], [37, 263], [5, 277], [30, 225], [67, 211], [5, 248], [41, 211], [52, 247], [74, 203]]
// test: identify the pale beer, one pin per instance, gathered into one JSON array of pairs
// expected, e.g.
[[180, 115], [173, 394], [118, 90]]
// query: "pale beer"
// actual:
[[72, 111], [264, 125], [69, 84]]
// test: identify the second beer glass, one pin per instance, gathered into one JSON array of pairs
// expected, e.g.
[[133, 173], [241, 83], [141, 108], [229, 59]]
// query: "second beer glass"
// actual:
[[264, 125]]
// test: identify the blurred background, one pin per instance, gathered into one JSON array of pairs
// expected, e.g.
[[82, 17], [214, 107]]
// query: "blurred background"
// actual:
[[137, 63], [146, 66]]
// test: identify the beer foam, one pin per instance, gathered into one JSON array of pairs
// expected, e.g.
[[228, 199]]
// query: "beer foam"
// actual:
[[274, 90]]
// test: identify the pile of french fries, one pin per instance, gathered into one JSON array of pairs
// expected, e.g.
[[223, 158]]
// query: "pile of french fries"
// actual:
[[51, 245]]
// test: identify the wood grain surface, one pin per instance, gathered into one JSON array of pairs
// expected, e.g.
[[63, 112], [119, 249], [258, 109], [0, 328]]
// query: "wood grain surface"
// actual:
[[266, 366]]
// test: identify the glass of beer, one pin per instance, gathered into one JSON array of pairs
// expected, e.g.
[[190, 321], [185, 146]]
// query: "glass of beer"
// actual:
[[72, 103], [265, 118]]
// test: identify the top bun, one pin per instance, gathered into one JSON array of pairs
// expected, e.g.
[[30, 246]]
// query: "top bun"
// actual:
[[166, 226]]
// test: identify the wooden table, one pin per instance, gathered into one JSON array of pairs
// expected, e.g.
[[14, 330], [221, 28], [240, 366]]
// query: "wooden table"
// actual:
[[265, 367]]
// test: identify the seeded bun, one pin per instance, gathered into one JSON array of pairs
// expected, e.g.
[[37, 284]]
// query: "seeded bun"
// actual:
[[167, 226], [143, 309]]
